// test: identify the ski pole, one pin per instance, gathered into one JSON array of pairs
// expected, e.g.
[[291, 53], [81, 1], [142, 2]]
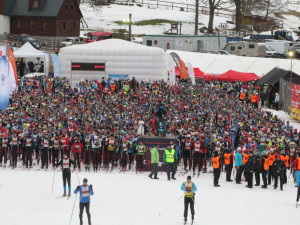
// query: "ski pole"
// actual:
[[77, 177], [73, 210], [166, 209], [53, 181]]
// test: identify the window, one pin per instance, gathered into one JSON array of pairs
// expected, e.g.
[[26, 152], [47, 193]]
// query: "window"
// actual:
[[35, 4], [63, 25], [71, 8], [232, 48], [74, 26], [251, 46], [149, 42], [45, 25], [239, 47], [66, 7], [18, 25], [31, 25]]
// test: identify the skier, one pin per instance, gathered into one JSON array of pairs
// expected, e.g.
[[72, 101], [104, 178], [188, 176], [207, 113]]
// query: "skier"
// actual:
[[85, 191], [189, 189], [28, 149], [272, 157], [216, 161], [169, 158], [66, 171], [154, 161], [141, 149]]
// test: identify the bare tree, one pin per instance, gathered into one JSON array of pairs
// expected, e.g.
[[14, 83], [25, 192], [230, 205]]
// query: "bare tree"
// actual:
[[238, 14], [213, 5], [196, 17]]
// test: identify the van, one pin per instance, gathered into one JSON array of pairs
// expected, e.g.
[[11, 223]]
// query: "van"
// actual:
[[244, 48], [280, 47]]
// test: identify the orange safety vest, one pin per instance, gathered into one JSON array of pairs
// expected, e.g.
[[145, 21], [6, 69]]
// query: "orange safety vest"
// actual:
[[286, 160], [271, 159], [298, 163], [227, 158], [113, 87], [266, 164], [216, 162], [245, 158], [242, 96], [253, 98]]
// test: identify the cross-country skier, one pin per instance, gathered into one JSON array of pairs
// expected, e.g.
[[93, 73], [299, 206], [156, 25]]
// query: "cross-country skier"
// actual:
[[189, 189], [85, 191], [66, 171]]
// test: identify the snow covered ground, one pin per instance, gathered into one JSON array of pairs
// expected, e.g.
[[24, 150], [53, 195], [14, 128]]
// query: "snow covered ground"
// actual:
[[104, 17], [130, 199], [284, 116]]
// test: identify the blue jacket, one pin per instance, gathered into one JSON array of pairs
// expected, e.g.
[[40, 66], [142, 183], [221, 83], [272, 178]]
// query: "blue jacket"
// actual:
[[238, 159], [84, 199], [192, 190]]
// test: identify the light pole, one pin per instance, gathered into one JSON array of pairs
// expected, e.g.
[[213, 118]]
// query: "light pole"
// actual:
[[291, 54], [128, 21]]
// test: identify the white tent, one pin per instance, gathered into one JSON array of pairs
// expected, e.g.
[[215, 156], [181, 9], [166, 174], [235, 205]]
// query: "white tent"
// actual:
[[218, 64], [121, 59], [28, 51]]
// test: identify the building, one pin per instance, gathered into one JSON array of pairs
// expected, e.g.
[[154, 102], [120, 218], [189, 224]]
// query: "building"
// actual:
[[46, 18], [192, 43]]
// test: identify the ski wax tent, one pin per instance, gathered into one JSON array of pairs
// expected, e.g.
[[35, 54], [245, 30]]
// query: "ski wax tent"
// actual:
[[28, 51], [232, 75], [113, 58]]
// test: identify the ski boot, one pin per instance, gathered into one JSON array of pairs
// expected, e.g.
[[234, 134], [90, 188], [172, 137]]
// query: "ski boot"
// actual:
[[64, 194]]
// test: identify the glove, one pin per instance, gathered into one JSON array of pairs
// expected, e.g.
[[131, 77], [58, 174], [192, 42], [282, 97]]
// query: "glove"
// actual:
[[78, 187], [91, 187]]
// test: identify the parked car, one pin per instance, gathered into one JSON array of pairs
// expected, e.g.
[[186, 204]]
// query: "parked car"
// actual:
[[70, 41], [23, 38], [296, 49], [223, 52]]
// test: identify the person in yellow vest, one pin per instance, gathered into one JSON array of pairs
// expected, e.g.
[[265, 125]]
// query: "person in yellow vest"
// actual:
[[286, 159], [169, 158], [189, 189], [228, 160], [216, 162], [264, 168]]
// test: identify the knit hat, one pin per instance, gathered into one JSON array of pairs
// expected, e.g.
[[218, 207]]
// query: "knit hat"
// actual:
[[85, 180], [189, 178]]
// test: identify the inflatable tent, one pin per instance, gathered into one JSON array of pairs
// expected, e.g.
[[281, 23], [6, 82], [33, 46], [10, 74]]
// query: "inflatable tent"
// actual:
[[112, 58]]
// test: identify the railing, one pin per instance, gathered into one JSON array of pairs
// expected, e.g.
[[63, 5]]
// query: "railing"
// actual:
[[175, 6]]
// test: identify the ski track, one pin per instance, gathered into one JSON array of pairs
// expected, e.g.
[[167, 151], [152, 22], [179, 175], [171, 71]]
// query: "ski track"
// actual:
[[130, 199]]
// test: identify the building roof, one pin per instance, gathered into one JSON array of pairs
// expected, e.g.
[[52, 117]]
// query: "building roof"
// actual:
[[8, 6], [50, 8]]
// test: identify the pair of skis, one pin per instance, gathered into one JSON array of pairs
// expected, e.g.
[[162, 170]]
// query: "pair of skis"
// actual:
[[67, 197], [191, 223]]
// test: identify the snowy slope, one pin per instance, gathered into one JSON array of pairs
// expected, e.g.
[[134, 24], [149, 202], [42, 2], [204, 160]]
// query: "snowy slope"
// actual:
[[130, 199], [104, 17]]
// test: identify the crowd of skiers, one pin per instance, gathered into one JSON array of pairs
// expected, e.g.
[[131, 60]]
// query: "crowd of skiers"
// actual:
[[99, 124]]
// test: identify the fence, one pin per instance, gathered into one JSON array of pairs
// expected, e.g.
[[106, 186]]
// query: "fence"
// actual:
[[175, 6]]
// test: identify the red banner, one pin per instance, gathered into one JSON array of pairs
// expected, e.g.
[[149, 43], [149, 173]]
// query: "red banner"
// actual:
[[295, 96]]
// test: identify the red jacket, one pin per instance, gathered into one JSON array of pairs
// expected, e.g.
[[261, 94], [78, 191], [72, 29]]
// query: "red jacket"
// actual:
[[77, 147], [297, 164]]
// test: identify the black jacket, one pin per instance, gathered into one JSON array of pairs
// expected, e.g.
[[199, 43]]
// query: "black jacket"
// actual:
[[250, 165], [257, 164], [279, 166]]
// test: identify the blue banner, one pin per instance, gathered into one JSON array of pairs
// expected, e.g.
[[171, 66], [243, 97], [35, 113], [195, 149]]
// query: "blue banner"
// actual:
[[118, 76], [56, 65], [4, 81]]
